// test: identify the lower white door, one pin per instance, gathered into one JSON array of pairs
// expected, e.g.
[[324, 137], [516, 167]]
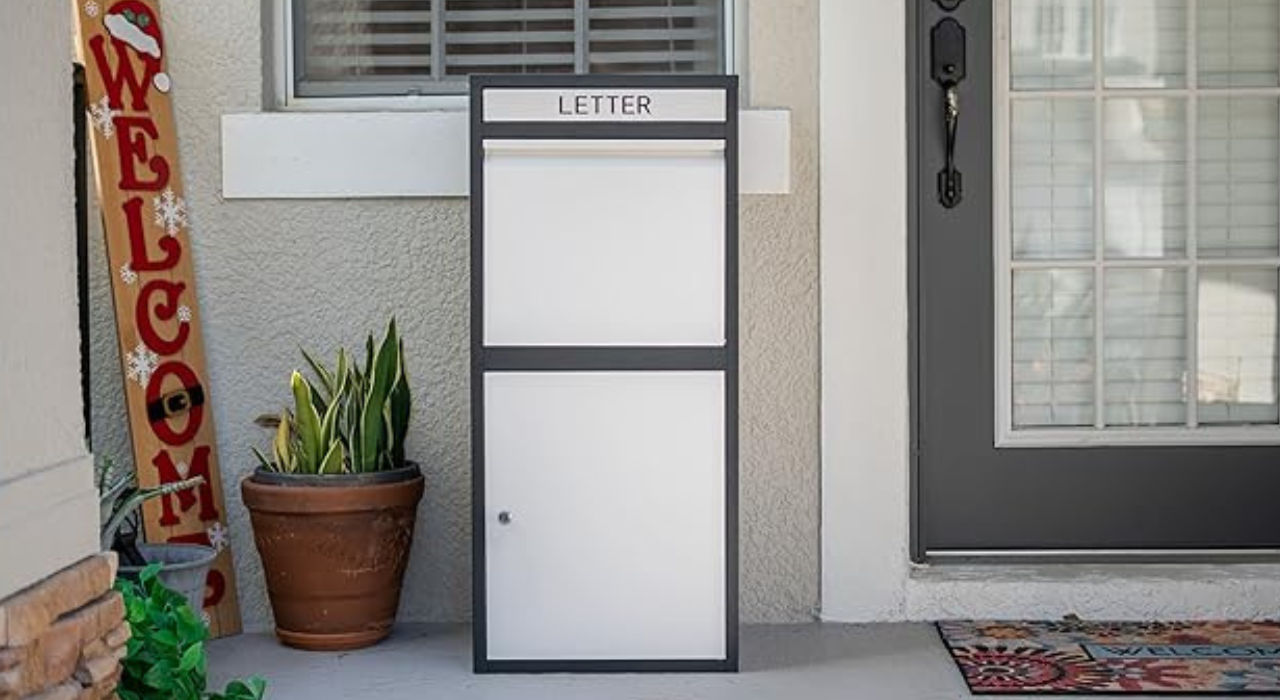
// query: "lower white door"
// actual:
[[605, 515]]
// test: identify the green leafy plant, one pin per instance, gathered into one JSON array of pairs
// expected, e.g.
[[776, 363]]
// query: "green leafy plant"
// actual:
[[350, 419], [119, 501], [165, 656]]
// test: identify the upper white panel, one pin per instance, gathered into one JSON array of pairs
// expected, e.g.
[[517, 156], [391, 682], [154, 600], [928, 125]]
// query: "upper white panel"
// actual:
[[615, 543], [604, 243], [603, 105], [319, 155]]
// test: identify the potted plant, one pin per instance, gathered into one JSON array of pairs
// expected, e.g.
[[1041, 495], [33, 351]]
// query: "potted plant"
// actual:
[[165, 657], [183, 567], [333, 507]]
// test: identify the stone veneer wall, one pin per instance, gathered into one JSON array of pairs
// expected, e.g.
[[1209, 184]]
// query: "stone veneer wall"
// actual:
[[63, 638]]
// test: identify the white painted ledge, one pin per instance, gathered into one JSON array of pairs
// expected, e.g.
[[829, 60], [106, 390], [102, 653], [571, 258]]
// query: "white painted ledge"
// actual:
[[340, 155]]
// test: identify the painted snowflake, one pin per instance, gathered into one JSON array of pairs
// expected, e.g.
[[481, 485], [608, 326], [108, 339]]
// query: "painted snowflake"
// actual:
[[127, 274], [182, 468], [91, 8], [103, 117], [184, 314], [141, 364], [217, 536], [171, 211], [204, 615]]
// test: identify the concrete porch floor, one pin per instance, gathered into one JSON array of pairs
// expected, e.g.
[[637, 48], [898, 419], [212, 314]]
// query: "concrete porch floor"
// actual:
[[779, 662]]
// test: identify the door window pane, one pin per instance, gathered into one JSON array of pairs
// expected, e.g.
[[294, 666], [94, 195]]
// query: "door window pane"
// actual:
[[1053, 348], [1238, 43], [1237, 347], [1146, 164], [1238, 177], [1145, 43], [1052, 161], [1143, 246], [1051, 44], [1145, 346]]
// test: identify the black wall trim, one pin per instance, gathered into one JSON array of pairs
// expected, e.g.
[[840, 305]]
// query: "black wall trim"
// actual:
[[665, 82], [79, 104], [535, 358], [599, 359], [913, 274], [620, 666], [604, 130]]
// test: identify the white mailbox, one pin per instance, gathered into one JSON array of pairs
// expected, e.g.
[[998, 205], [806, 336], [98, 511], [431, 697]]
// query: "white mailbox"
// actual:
[[604, 373]]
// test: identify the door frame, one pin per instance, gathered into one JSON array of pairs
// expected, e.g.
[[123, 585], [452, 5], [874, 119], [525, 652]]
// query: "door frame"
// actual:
[[867, 490], [865, 419]]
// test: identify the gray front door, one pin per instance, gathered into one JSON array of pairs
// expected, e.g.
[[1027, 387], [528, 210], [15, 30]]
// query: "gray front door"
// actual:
[[1095, 321]]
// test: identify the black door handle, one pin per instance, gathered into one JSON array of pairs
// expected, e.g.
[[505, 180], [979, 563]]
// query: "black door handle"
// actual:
[[947, 43]]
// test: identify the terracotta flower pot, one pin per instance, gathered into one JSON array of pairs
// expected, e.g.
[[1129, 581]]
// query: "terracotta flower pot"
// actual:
[[334, 550]]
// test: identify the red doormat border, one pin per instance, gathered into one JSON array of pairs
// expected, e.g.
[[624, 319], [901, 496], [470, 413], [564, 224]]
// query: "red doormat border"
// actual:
[[1081, 657]]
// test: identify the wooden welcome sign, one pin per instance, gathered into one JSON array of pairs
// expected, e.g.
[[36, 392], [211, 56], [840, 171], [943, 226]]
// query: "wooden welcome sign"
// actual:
[[144, 211]]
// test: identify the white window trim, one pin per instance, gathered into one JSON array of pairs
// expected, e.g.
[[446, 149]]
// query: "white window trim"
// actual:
[[1192, 433], [282, 72]]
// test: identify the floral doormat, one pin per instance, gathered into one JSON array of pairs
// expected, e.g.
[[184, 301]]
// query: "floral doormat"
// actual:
[[1073, 656]]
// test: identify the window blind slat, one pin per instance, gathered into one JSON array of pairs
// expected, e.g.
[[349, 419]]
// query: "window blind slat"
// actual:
[[342, 18], [650, 56], [655, 10], [513, 14], [549, 59], [369, 62], [372, 40], [521, 37]]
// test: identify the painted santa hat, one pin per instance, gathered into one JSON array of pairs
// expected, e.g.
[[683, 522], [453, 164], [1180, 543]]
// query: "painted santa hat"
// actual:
[[133, 23]]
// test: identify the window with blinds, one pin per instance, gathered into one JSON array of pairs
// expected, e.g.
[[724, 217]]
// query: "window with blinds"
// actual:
[[421, 47], [1140, 241]]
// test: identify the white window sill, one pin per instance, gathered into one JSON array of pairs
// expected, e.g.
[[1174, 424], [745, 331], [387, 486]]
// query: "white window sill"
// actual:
[[340, 155]]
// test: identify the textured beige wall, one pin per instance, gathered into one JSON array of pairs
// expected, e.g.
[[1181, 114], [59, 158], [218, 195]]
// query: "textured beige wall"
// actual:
[[46, 483], [779, 298], [273, 275]]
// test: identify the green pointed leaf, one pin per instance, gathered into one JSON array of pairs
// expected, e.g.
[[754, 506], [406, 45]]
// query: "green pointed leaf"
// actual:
[[262, 459], [192, 657], [157, 677], [327, 380], [328, 426], [308, 424], [334, 462], [285, 459], [386, 366], [401, 408]]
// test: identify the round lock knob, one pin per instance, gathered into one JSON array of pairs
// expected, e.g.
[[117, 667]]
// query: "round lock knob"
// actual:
[[504, 517]]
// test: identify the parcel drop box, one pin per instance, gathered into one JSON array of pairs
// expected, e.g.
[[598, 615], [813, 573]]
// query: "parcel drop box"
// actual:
[[604, 373]]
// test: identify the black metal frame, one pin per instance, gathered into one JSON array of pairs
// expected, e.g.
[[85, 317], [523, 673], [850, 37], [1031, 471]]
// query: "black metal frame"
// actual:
[[497, 359], [915, 534], [80, 103]]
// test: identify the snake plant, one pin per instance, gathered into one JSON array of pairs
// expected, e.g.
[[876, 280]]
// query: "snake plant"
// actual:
[[120, 497], [348, 419]]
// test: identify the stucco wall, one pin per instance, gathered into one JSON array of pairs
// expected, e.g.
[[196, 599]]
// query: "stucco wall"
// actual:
[[273, 275], [46, 483]]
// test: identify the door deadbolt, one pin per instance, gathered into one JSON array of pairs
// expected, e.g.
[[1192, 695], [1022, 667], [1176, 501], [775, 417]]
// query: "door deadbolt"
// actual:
[[504, 517]]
